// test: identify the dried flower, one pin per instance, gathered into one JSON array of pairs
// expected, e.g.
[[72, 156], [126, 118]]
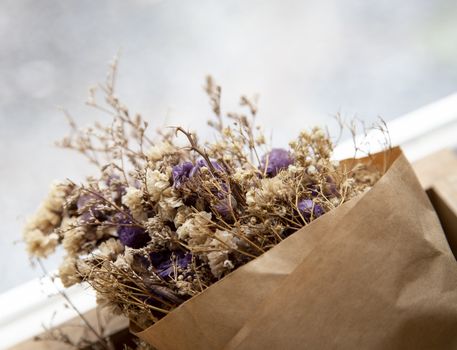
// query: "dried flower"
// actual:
[[156, 183], [195, 230], [39, 231], [203, 164], [275, 161], [181, 173], [226, 207], [74, 236], [40, 244], [132, 236], [165, 263], [158, 152], [133, 200], [68, 272], [307, 208], [181, 215], [110, 249]]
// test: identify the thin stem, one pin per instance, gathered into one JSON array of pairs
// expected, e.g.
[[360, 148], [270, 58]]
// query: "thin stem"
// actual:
[[75, 309]]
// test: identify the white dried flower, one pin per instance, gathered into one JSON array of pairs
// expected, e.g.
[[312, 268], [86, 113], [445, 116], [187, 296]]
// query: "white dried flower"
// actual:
[[73, 237], [40, 244], [154, 225], [169, 201], [166, 213], [184, 287], [132, 199], [292, 168], [110, 249], [335, 201], [158, 152], [56, 196], [121, 263], [84, 268], [105, 231], [195, 230], [47, 218], [216, 262], [260, 140], [244, 175], [250, 196], [228, 264], [44, 220], [317, 134], [223, 240], [156, 183], [311, 170], [222, 243], [270, 190], [68, 272], [171, 198], [182, 215]]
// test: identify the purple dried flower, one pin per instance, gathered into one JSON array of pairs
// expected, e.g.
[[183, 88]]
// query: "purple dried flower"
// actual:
[[181, 173], [164, 262], [156, 258], [201, 163], [132, 236], [185, 260], [224, 209], [306, 206], [275, 161], [85, 200], [185, 171], [89, 209]]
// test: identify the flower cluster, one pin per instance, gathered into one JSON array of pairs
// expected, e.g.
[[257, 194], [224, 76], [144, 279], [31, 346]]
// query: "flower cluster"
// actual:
[[163, 222]]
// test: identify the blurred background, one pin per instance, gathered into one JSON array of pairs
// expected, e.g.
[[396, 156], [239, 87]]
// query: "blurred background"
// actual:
[[308, 60]]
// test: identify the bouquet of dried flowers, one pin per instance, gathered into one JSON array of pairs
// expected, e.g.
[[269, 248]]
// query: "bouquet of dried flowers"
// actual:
[[166, 219]]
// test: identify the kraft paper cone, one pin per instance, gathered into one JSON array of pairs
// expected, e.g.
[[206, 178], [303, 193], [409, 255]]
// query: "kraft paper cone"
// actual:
[[212, 318], [385, 279], [244, 309]]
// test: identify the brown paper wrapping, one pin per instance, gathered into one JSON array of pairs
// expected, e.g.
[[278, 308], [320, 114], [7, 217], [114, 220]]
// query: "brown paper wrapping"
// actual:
[[375, 273]]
